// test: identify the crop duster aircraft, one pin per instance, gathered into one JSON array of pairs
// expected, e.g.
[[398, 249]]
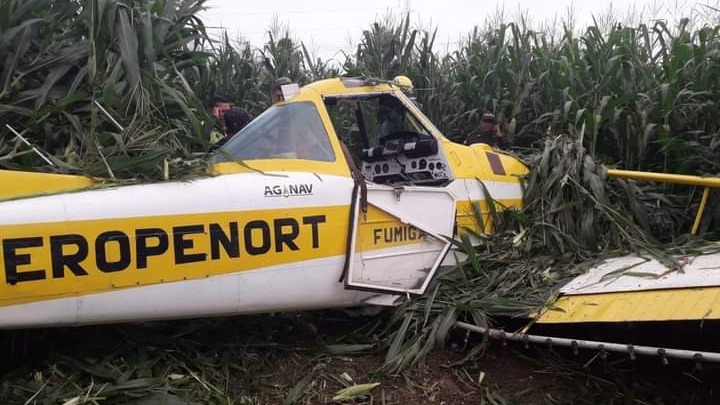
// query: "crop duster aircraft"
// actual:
[[344, 195]]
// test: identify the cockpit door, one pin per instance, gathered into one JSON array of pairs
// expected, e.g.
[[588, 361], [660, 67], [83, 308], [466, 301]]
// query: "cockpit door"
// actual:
[[402, 239]]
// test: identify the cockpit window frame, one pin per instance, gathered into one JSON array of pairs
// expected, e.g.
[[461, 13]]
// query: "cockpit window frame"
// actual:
[[429, 130], [317, 123]]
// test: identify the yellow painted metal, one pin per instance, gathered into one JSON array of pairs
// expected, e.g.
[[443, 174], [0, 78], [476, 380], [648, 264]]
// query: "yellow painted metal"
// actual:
[[471, 162], [335, 87], [701, 210], [706, 182], [163, 267], [651, 305], [465, 161], [666, 178], [337, 168], [17, 184], [375, 226]]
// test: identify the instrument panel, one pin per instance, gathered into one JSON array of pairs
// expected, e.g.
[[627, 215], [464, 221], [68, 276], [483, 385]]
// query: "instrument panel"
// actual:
[[412, 158]]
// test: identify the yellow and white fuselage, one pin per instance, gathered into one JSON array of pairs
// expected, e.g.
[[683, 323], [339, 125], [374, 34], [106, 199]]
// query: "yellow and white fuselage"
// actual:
[[283, 232]]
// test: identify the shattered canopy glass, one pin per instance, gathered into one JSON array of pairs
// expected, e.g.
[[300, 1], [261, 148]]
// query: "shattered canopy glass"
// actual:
[[286, 131]]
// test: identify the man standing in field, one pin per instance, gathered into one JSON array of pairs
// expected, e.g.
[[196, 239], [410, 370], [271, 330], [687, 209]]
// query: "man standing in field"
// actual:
[[276, 94], [488, 133], [215, 128]]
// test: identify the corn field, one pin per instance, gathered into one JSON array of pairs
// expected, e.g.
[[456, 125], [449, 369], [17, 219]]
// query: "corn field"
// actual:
[[114, 88]]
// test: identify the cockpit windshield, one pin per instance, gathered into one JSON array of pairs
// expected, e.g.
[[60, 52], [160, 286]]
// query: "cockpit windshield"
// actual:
[[284, 131]]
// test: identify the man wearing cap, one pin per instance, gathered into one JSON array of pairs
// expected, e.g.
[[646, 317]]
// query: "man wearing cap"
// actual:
[[276, 94], [489, 133]]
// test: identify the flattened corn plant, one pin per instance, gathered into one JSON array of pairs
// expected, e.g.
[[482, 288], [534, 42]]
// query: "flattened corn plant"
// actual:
[[572, 218]]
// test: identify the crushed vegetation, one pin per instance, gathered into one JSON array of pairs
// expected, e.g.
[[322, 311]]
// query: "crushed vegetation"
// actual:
[[265, 360], [572, 219], [305, 358]]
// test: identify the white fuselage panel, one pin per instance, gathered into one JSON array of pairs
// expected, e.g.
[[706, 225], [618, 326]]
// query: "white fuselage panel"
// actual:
[[633, 273]]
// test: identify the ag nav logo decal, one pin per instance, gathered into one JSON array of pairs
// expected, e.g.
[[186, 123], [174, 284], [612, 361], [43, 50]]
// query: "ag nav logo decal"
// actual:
[[288, 190]]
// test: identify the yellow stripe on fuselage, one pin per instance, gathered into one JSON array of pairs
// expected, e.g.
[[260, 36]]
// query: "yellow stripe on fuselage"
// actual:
[[652, 305], [59, 259], [52, 260]]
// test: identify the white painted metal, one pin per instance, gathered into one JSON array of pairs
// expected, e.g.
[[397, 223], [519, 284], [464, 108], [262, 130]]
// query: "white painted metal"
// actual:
[[407, 268], [472, 189], [308, 285], [633, 273], [430, 209], [231, 192], [300, 285], [396, 253], [384, 300]]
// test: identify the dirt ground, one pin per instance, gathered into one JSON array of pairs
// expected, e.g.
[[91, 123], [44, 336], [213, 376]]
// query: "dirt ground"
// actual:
[[500, 377], [280, 360], [504, 375]]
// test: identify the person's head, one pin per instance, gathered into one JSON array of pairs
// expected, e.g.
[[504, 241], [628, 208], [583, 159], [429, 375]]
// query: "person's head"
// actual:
[[488, 123], [276, 94], [220, 106], [236, 119]]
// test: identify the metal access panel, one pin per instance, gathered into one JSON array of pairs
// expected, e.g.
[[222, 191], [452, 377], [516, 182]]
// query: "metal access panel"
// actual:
[[402, 239]]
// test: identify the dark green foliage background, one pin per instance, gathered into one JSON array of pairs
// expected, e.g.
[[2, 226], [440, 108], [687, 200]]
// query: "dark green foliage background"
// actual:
[[645, 97]]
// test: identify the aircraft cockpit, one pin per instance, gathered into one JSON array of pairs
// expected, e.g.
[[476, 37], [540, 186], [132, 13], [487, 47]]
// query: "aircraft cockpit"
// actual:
[[389, 144]]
